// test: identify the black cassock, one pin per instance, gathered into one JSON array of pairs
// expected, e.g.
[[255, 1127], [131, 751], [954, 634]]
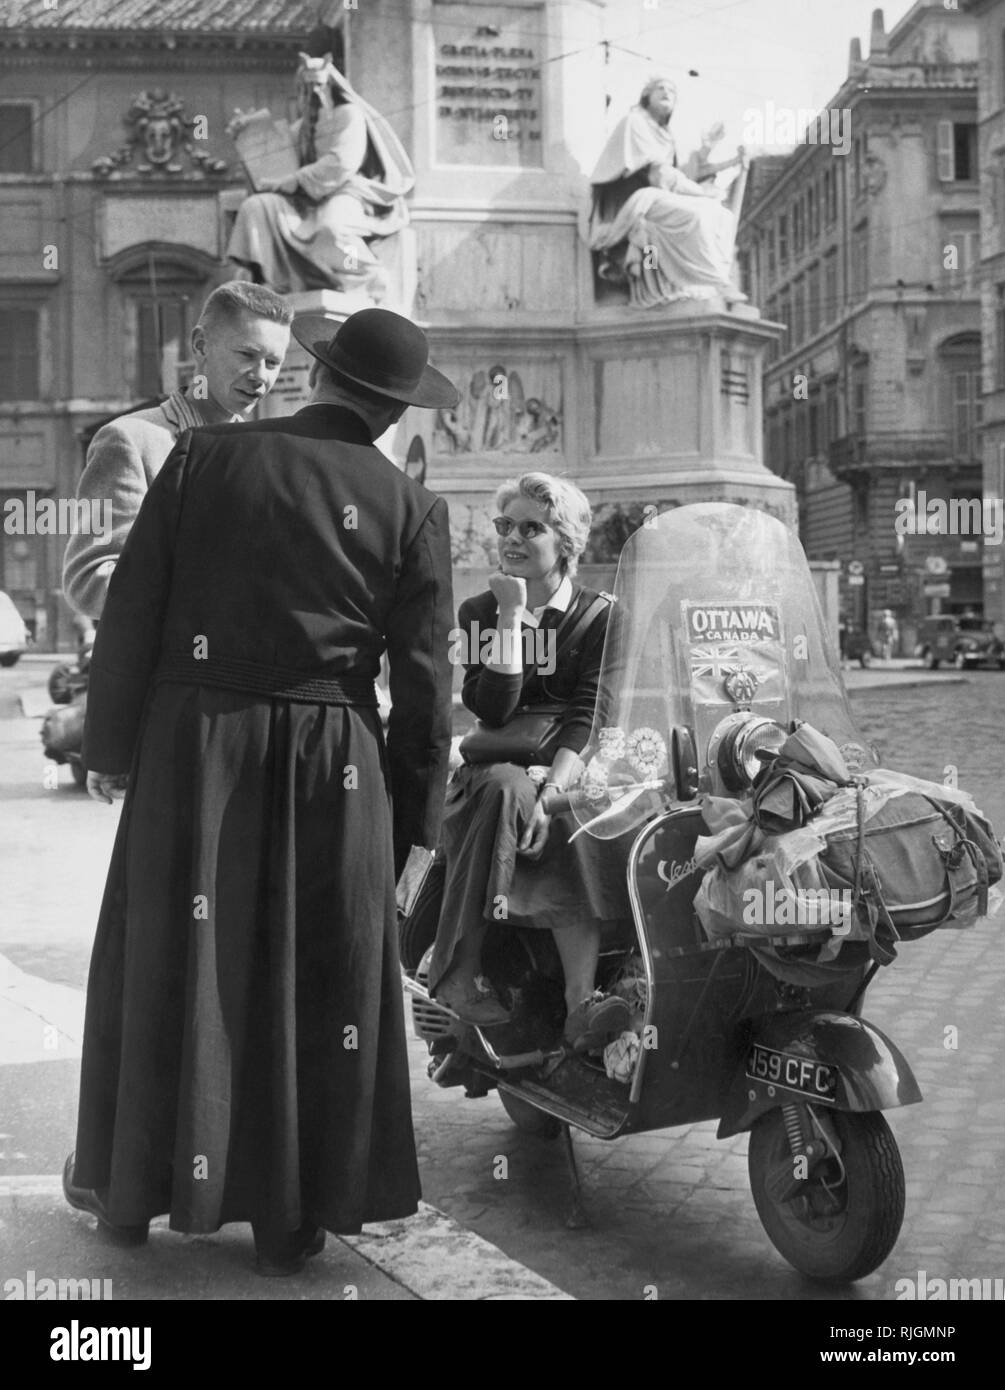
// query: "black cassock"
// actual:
[[244, 1050]]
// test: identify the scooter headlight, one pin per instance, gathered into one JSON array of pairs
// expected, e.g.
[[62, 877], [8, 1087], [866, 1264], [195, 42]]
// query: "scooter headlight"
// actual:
[[735, 744]]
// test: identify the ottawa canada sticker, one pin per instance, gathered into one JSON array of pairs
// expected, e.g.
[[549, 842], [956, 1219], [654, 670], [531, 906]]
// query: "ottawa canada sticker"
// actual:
[[735, 651], [732, 623]]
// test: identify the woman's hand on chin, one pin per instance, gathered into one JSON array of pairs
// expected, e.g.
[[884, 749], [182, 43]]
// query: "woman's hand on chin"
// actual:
[[510, 592]]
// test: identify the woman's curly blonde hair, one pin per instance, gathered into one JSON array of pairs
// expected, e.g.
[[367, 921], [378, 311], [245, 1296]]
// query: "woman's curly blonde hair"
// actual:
[[569, 511]]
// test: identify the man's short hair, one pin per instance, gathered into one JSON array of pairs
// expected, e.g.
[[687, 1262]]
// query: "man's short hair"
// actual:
[[228, 302]]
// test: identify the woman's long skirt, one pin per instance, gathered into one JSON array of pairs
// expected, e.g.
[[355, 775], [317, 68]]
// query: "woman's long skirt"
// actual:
[[244, 1051], [574, 883]]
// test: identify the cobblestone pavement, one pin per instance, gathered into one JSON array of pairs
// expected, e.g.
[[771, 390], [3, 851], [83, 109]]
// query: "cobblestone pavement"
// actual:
[[670, 1209], [673, 1209]]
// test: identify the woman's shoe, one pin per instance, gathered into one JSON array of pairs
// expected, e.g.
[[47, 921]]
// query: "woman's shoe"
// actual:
[[595, 1021], [474, 1001], [86, 1199]]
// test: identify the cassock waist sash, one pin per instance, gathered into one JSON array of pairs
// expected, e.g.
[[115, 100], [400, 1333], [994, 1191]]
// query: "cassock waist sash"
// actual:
[[274, 682]]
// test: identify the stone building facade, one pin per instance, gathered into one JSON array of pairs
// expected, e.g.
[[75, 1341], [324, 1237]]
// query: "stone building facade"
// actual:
[[118, 184], [115, 179], [864, 242], [990, 16]]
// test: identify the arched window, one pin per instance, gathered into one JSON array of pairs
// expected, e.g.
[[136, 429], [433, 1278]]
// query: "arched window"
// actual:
[[164, 287]]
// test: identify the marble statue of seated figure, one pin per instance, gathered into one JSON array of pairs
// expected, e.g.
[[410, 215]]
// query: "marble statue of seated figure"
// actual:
[[670, 234], [313, 230]]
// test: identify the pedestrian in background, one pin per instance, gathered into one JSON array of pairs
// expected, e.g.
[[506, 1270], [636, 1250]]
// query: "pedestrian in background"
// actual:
[[888, 634]]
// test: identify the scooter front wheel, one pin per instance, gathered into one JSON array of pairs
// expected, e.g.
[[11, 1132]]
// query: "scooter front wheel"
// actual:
[[841, 1222]]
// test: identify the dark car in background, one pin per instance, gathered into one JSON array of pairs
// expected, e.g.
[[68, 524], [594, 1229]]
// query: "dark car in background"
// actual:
[[856, 645], [959, 641]]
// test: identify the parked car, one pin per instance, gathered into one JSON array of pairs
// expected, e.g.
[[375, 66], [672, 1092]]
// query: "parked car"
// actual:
[[963, 641], [14, 635], [856, 645]]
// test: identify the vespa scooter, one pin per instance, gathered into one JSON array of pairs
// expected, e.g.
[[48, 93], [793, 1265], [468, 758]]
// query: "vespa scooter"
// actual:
[[717, 651]]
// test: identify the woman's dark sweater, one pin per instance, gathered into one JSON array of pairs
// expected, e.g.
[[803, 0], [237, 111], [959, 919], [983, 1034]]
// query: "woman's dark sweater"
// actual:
[[493, 696]]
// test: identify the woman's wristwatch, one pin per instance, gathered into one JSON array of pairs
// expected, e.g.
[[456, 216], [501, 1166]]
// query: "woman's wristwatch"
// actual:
[[544, 787]]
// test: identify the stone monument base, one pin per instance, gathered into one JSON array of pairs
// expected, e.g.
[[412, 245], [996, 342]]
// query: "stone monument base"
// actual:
[[642, 409]]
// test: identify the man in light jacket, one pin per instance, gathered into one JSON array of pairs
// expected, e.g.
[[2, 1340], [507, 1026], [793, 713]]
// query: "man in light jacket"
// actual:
[[238, 344]]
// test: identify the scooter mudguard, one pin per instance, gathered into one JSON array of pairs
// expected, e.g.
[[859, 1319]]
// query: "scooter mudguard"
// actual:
[[822, 1057]]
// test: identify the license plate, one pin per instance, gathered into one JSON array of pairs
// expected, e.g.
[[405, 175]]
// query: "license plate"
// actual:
[[810, 1078]]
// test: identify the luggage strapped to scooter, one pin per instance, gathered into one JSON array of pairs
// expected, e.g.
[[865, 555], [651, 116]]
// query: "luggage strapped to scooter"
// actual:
[[904, 891]]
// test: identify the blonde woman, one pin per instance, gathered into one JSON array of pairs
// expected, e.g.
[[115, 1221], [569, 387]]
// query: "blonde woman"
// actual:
[[502, 837]]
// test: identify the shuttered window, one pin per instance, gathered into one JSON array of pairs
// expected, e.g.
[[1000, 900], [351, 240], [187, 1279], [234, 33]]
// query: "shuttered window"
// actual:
[[830, 196], [966, 414], [859, 403], [19, 355], [798, 313], [813, 300], [964, 152], [944, 152], [830, 288], [16, 137], [956, 151], [785, 316], [162, 342]]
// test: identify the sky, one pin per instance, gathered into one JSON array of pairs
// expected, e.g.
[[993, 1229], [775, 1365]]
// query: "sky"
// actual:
[[747, 52]]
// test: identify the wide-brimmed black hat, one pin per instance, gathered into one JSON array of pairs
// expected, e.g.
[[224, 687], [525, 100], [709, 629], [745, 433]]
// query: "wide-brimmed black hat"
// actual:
[[380, 350]]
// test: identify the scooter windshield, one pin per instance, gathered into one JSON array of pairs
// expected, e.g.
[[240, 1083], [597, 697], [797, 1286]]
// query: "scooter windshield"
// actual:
[[716, 633]]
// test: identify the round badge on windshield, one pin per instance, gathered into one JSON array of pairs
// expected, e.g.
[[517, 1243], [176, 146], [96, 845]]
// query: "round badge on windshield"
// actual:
[[741, 685]]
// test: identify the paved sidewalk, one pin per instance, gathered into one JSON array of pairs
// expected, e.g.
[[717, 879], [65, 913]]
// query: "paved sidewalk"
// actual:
[[899, 671], [427, 1257]]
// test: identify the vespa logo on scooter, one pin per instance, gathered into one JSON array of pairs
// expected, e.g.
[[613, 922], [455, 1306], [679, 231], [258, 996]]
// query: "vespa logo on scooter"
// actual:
[[676, 872]]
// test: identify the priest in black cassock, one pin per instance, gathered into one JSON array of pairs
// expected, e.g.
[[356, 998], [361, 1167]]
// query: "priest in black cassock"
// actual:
[[244, 1048]]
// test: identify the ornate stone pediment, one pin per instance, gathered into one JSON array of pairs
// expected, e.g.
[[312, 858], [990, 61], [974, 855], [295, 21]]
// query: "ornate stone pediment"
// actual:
[[162, 142]]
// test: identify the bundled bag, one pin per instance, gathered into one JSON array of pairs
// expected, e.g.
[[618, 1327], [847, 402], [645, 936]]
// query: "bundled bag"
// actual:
[[917, 862], [793, 785], [867, 861], [888, 859], [530, 735]]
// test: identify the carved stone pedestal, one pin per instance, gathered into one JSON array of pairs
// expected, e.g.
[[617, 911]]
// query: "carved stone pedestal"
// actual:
[[655, 408]]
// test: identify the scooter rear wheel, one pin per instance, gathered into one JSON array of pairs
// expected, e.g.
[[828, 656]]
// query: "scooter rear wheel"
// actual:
[[528, 1119], [846, 1218]]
